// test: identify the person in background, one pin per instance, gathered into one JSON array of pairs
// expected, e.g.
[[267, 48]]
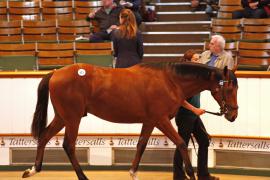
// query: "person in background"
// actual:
[[211, 5], [127, 41], [107, 18], [195, 5], [190, 55], [216, 56], [189, 122], [133, 5], [252, 9]]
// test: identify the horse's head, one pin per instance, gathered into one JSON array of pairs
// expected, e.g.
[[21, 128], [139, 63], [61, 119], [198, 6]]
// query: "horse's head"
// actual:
[[225, 93]]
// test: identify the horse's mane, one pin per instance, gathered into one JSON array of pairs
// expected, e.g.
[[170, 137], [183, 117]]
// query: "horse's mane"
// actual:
[[189, 69]]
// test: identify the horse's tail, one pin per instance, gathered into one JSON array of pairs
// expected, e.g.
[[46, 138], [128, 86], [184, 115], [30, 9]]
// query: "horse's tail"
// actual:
[[40, 116]]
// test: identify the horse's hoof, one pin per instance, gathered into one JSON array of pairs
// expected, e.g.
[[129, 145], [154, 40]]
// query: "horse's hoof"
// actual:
[[133, 175], [26, 173], [84, 178], [29, 172], [190, 178]]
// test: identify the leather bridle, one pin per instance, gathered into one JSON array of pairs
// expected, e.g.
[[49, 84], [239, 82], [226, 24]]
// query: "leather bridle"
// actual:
[[224, 108]]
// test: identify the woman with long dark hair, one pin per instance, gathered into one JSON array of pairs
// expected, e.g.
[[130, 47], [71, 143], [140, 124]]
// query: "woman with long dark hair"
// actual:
[[127, 41]]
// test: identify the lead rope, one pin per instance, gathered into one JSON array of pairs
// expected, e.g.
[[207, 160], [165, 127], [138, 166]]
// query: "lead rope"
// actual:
[[193, 143], [215, 113]]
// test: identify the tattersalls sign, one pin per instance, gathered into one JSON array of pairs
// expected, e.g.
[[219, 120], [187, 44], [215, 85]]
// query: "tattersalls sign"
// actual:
[[246, 144], [21, 142], [131, 141], [86, 141]]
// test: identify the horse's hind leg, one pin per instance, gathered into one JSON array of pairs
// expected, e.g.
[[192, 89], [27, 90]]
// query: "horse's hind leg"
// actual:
[[145, 134], [166, 127], [71, 134], [55, 126]]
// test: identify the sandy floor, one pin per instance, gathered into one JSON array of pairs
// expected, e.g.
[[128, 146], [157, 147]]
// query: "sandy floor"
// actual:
[[110, 175]]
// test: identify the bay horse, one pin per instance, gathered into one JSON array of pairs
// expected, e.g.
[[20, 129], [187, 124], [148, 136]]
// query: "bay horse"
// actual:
[[147, 93]]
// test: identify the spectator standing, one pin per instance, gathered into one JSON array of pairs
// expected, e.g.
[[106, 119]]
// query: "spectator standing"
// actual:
[[127, 41]]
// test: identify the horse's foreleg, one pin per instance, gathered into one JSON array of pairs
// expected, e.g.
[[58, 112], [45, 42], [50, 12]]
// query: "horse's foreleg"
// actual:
[[166, 127], [55, 126], [145, 134], [71, 134]]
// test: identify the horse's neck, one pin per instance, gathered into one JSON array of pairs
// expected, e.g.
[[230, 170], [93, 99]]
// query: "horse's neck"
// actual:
[[191, 87]]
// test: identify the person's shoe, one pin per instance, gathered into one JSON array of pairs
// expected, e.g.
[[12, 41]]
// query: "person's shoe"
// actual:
[[181, 178], [209, 177]]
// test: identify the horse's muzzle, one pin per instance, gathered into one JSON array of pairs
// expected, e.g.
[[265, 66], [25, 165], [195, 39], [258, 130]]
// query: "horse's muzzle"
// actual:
[[231, 118]]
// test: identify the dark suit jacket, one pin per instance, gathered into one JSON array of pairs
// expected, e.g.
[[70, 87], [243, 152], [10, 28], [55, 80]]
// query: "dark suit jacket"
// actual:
[[127, 51], [106, 20], [136, 4], [261, 3]]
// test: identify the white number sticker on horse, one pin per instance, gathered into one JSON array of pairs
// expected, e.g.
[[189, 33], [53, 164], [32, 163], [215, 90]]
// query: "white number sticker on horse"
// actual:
[[81, 72]]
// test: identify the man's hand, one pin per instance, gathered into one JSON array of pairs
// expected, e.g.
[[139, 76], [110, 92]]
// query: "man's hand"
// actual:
[[92, 14], [113, 27], [126, 4], [122, 2], [129, 4]]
